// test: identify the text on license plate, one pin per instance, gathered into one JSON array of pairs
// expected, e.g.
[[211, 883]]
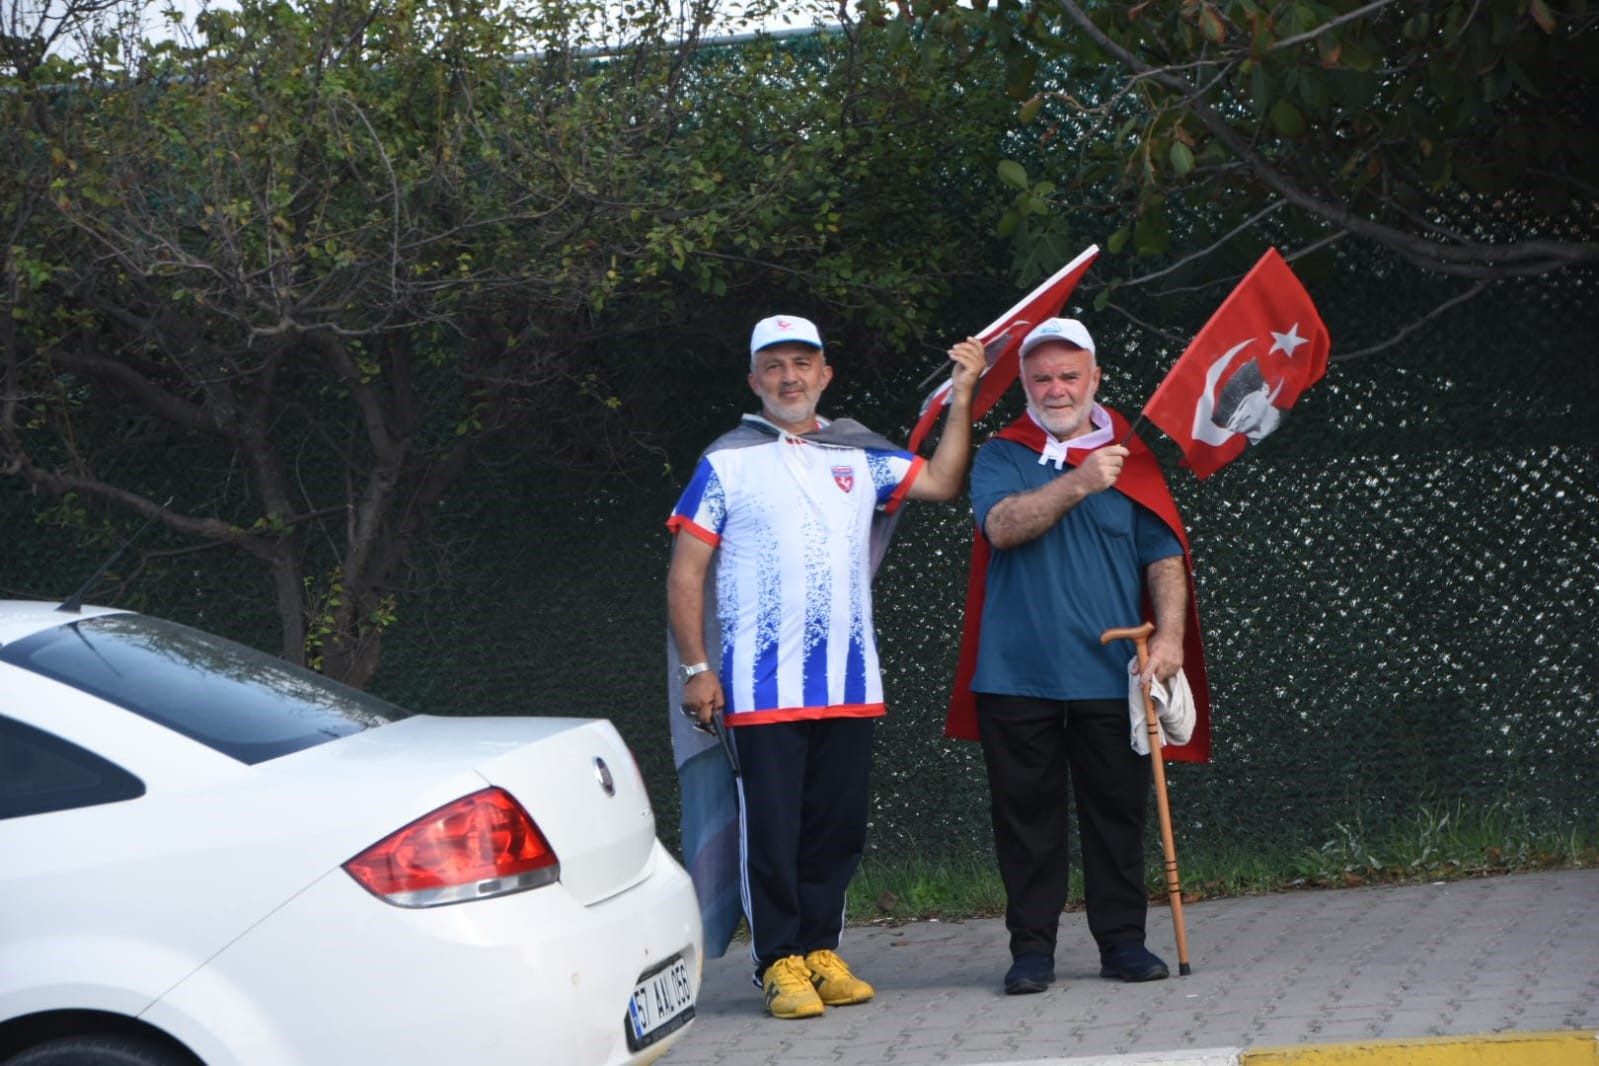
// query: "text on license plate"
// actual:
[[663, 1001]]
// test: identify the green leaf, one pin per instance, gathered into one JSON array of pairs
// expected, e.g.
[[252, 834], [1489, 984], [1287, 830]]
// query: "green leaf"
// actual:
[[1151, 236], [1313, 91], [1182, 158], [1118, 241], [1013, 174], [1260, 91], [1288, 119], [1030, 110], [1019, 76], [1360, 55]]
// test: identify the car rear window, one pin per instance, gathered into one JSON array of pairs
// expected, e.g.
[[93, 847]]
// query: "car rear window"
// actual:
[[239, 701]]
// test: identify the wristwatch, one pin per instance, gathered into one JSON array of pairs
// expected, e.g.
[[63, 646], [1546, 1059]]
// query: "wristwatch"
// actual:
[[688, 670]]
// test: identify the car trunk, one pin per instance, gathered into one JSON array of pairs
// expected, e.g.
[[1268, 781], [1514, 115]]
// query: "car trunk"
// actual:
[[557, 768]]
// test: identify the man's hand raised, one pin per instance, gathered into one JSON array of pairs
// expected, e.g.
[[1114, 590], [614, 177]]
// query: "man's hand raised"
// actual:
[[970, 362], [1100, 468]]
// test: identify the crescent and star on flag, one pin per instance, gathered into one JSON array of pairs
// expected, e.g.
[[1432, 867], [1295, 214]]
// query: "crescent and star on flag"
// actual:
[[1287, 342], [1206, 427], [1215, 406]]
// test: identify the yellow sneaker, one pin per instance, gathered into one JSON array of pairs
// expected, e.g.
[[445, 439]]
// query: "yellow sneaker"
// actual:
[[835, 985], [787, 984]]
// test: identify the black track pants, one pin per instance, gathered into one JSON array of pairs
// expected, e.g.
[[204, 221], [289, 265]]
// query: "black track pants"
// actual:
[[803, 801]]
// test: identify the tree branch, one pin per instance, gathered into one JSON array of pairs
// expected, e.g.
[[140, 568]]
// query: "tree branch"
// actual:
[[1470, 293], [214, 529], [1348, 16], [1144, 279], [1472, 259], [142, 390]]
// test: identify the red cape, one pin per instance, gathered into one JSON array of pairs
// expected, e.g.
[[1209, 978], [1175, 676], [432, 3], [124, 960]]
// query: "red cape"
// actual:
[[1141, 481]]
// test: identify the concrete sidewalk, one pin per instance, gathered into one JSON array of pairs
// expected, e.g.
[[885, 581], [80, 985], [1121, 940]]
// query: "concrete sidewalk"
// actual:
[[1512, 954]]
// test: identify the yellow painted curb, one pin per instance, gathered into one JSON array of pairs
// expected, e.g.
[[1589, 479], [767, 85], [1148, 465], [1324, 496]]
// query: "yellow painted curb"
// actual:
[[1489, 1049]]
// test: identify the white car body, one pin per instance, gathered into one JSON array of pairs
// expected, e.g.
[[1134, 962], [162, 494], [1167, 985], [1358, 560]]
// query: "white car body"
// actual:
[[215, 909]]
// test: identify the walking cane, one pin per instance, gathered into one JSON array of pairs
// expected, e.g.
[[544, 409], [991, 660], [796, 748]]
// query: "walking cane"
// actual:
[[1139, 635]]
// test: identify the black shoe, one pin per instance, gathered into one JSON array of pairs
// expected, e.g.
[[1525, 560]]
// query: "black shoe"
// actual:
[[1131, 961], [1031, 972]]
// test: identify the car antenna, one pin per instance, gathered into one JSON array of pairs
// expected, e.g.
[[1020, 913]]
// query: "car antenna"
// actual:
[[74, 602]]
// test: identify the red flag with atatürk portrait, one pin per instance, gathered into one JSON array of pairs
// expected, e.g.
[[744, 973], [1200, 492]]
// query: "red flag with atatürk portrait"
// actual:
[[1002, 340], [1231, 388]]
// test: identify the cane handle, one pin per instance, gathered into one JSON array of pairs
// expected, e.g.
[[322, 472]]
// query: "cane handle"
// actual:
[[1137, 634]]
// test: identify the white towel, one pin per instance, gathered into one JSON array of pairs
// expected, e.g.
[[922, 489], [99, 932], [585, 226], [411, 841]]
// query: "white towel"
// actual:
[[1174, 709]]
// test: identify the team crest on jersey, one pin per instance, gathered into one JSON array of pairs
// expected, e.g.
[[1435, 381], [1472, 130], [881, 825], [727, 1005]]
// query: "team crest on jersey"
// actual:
[[844, 477]]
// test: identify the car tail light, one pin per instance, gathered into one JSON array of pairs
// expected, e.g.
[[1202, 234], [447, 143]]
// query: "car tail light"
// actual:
[[480, 846]]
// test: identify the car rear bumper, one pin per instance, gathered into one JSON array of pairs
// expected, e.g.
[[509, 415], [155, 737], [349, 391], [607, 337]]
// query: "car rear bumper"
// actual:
[[337, 975]]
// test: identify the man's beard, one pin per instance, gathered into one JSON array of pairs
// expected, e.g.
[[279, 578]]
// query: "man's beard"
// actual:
[[801, 410], [1062, 425]]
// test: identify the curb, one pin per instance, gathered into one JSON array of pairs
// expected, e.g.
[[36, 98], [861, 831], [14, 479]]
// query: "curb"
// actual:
[[1574, 1048], [1216, 1056], [1489, 1049]]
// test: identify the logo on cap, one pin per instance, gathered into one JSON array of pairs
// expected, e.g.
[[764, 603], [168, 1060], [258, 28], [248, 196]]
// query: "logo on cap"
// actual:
[[783, 329]]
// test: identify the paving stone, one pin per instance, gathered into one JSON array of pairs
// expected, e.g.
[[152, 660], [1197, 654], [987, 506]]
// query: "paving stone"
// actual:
[[1517, 953]]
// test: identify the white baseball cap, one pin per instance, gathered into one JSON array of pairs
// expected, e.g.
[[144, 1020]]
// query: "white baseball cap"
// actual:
[[781, 328], [1066, 330]]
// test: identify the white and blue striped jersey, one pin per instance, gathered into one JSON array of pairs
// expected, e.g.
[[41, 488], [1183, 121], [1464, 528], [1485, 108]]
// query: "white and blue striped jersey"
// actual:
[[791, 521]]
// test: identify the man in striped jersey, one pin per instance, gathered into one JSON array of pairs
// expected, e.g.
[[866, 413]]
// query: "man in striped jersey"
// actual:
[[769, 596]]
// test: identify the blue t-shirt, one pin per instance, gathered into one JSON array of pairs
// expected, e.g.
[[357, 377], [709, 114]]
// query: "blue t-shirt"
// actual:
[[1046, 602]]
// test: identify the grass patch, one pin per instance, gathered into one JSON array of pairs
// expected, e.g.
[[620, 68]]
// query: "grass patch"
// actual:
[[1438, 843], [914, 889], [1441, 843]]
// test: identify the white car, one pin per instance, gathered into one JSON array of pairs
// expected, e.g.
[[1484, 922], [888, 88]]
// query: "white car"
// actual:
[[207, 855]]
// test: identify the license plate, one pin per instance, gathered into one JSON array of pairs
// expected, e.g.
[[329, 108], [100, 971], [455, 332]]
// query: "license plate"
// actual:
[[662, 1003]]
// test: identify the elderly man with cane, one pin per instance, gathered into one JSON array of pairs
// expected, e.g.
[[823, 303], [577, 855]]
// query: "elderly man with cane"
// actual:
[[1076, 533]]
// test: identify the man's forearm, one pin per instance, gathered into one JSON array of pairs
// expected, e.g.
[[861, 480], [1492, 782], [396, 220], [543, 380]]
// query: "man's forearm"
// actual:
[[685, 600], [688, 631], [946, 471], [1167, 580], [1025, 516]]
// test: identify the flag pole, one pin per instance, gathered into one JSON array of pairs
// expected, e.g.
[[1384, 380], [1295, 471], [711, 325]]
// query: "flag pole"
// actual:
[[1133, 428], [999, 338], [1174, 890]]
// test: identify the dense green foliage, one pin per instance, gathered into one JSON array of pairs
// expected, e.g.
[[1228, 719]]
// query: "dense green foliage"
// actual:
[[1455, 134], [277, 286]]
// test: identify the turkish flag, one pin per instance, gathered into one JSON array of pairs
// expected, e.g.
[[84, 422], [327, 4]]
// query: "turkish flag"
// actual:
[[1001, 341], [1262, 348]]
